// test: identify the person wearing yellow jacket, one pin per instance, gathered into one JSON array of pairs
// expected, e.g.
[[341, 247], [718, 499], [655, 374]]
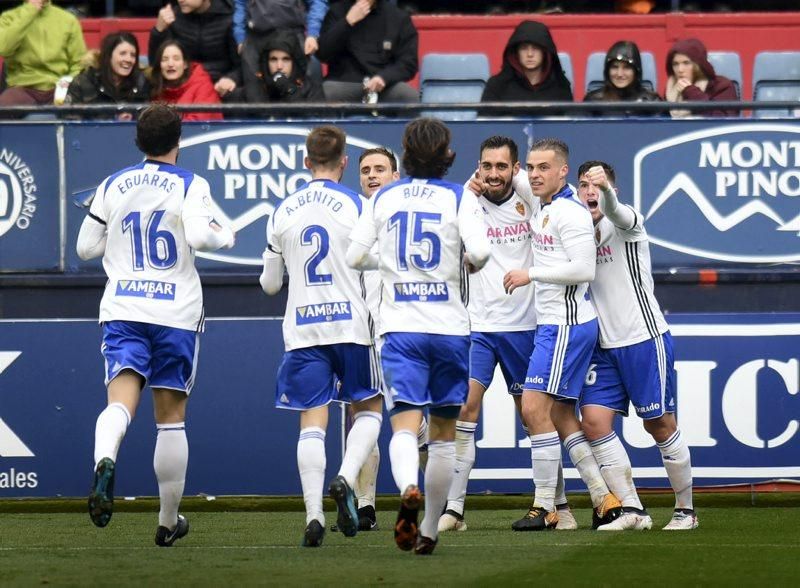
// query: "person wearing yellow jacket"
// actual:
[[40, 43]]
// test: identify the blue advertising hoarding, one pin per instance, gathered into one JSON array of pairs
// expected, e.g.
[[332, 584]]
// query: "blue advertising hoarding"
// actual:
[[713, 193], [30, 214], [738, 379]]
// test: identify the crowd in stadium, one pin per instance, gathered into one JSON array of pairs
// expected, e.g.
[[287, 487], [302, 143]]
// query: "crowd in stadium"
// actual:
[[261, 51]]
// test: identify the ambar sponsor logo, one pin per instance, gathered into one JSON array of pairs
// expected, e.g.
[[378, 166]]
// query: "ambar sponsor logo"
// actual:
[[728, 193], [146, 289], [323, 312], [420, 292]]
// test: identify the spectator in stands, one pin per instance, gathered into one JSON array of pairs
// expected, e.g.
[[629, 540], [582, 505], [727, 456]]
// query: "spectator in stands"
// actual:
[[369, 46], [283, 71], [254, 22], [531, 69], [692, 77], [41, 43], [112, 76], [622, 79], [176, 80], [205, 29]]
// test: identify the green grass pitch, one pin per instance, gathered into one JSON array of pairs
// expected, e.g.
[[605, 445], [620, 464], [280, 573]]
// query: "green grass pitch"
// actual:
[[257, 542]]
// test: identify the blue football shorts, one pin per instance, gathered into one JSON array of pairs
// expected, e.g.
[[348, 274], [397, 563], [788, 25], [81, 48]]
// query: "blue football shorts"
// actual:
[[307, 377], [511, 349], [165, 357], [642, 374], [423, 369], [560, 359]]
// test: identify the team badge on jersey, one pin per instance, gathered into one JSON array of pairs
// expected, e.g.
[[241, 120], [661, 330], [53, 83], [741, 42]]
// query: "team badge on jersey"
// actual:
[[520, 208], [545, 221], [597, 235]]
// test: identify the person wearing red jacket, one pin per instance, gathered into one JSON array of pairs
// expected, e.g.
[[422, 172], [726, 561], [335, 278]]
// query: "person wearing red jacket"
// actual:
[[176, 80], [691, 77]]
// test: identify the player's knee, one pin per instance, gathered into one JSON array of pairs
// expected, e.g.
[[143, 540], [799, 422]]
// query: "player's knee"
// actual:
[[594, 428], [661, 428]]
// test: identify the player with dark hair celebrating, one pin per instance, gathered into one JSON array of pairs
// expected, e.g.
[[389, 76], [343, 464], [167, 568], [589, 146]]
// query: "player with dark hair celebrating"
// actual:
[[503, 326], [633, 360], [146, 221], [420, 224]]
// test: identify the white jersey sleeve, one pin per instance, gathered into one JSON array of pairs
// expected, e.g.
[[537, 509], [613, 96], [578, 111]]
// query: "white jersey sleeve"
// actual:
[[559, 227], [148, 260], [623, 291], [470, 227], [326, 300]]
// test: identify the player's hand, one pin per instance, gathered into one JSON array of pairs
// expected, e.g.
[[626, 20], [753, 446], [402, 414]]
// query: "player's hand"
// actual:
[[375, 84], [515, 279], [470, 268], [358, 12], [125, 116], [476, 184], [682, 84], [224, 86], [38, 4], [166, 16], [311, 45], [597, 177]]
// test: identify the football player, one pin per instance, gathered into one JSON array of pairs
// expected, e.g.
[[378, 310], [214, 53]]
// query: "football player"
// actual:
[[420, 225], [563, 265], [327, 328], [147, 221], [633, 360]]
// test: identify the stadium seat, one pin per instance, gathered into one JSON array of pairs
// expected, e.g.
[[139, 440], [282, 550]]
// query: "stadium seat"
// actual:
[[728, 64], [776, 76], [596, 63], [453, 77], [566, 65]]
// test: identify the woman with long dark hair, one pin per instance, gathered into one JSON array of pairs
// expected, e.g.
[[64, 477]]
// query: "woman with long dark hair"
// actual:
[[112, 76], [175, 79], [622, 79]]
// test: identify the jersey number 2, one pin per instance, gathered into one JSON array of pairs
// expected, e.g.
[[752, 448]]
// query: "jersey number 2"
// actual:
[[161, 248], [317, 237]]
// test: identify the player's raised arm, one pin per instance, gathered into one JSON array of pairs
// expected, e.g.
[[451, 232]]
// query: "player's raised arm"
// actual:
[[203, 232], [522, 186], [622, 216], [473, 234], [92, 236], [362, 239]]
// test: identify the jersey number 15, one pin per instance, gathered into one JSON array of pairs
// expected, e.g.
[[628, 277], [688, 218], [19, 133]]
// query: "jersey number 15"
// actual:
[[419, 237]]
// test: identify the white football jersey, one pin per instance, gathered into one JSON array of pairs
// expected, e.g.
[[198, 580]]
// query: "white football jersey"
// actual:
[[149, 264], [622, 291], [419, 226], [326, 302], [508, 230], [561, 223]]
